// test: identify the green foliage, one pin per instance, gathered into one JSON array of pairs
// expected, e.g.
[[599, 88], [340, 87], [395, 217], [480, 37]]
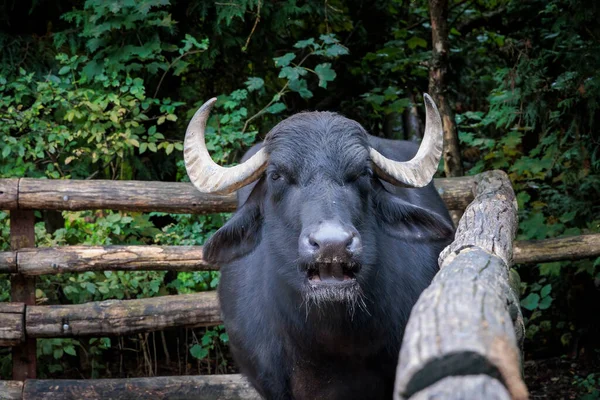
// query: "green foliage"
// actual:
[[540, 127], [105, 90], [591, 384], [104, 108], [69, 126]]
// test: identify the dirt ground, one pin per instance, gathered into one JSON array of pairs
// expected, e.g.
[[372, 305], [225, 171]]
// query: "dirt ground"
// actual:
[[556, 378]]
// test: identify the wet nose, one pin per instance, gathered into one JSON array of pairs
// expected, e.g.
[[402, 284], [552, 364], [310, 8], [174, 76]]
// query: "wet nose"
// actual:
[[330, 240]]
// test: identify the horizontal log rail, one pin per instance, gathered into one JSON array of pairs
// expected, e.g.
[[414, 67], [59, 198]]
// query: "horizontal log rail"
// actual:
[[171, 197], [11, 390], [233, 387], [122, 317], [468, 321], [557, 249], [225, 387], [12, 331], [107, 318], [56, 260]]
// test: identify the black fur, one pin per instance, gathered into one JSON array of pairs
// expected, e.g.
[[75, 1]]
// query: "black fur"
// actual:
[[292, 345]]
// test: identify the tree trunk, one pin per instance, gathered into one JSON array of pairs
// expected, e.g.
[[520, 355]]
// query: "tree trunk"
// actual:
[[438, 10]]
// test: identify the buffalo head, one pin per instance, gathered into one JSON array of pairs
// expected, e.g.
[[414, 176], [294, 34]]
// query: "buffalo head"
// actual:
[[317, 200]]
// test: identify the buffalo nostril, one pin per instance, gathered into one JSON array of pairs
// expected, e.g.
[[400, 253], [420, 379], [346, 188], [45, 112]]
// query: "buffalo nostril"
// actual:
[[312, 242], [354, 244]]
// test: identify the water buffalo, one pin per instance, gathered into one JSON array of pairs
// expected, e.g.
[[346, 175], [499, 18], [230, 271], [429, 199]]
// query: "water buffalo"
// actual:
[[336, 235]]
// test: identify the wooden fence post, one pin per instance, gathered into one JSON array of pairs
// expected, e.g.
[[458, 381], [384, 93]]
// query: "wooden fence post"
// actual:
[[22, 290]]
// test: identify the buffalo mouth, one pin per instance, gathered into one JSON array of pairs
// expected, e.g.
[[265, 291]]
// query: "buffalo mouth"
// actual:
[[331, 273]]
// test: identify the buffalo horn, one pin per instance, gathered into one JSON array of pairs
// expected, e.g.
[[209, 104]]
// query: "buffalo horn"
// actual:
[[419, 171], [204, 173]]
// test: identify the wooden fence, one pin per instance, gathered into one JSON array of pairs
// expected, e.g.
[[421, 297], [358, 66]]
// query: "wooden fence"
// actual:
[[466, 325]]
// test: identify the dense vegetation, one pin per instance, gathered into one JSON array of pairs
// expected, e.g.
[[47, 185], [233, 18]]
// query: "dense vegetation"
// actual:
[[104, 89]]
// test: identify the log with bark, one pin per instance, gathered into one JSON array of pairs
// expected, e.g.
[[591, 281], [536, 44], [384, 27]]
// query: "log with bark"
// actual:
[[12, 331], [9, 189], [468, 321], [121, 317], [11, 390], [557, 249], [8, 262], [73, 195], [172, 197], [209, 387], [55, 260]]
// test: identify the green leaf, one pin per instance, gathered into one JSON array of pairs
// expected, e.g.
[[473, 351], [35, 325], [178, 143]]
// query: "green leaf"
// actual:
[[198, 352], [304, 43], [70, 350], [546, 290], [415, 41], [276, 108], [522, 199], [531, 302], [58, 353], [224, 337], [336, 50], [550, 269], [254, 83], [545, 303], [289, 73], [328, 38], [284, 60], [325, 74], [300, 87], [64, 70]]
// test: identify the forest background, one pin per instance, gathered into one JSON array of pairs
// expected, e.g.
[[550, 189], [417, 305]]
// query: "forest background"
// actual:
[[104, 90]]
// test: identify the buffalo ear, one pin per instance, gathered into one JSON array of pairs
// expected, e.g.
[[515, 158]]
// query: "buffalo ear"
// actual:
[[241, 234], [403, 219]]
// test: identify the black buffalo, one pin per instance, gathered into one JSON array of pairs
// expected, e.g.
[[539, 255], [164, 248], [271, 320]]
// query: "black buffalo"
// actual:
[[324, 259]]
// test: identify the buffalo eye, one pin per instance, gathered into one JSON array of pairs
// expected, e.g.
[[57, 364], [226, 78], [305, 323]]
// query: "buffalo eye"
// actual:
[[275, 176], [366, 172]]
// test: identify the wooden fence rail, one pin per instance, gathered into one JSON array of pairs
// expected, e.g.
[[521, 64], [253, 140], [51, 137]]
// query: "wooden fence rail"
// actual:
[[209, 387], [468, 321], [107, 318], [471, 297], [56, 260], [171, 197]]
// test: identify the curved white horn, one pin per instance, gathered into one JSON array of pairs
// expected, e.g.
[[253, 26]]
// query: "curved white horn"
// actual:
[[419, 171], [205, 174]]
